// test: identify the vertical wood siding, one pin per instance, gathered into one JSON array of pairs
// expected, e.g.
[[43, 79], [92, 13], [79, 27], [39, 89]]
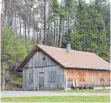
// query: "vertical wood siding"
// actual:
[[41, 65], [39, 60], [88, 77], [59, 84]]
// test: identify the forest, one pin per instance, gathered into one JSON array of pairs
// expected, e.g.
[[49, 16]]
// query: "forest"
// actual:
[[85, 25]]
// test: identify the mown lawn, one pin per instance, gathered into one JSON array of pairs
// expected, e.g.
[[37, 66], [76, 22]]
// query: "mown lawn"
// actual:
[[58, 99], [85, 91]]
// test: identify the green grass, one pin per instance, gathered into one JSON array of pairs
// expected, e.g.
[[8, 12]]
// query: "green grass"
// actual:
[[85, 91], [58, 99]]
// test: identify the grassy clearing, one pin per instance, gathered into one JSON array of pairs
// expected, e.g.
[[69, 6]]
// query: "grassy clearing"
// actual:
[[57, 99], [85, 91]]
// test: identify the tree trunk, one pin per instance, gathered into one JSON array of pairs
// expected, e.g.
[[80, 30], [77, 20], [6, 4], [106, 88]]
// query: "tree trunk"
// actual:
[[3, 86], [44, 37]]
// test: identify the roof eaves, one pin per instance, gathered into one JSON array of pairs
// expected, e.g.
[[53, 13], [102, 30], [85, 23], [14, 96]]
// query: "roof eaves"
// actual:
[[88, 68]]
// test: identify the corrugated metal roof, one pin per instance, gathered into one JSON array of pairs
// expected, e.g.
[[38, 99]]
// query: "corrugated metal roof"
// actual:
[[74, 59]]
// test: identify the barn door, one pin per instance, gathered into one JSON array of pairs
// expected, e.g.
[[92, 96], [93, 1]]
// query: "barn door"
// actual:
[[41, 80]]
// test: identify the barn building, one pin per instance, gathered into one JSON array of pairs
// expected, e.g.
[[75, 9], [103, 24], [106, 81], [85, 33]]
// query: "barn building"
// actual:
[[51, 68]]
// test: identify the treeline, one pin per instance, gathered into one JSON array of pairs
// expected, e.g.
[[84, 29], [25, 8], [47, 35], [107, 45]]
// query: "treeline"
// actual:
[[54, 22], [58, 22]]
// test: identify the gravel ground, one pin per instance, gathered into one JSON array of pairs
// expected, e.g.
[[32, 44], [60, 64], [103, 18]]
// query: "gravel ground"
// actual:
[[44, 93]]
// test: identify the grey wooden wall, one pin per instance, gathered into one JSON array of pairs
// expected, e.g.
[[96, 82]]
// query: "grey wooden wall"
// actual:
[[38, 64], [39, 61]]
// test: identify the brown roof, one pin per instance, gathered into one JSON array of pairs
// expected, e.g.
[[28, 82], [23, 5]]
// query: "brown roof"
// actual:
[[74, 59]]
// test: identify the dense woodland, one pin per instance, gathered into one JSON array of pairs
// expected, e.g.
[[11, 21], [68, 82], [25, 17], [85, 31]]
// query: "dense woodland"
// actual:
[[52, 22]]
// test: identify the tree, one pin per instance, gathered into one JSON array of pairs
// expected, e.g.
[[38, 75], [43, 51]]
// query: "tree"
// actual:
[[69, 8], [90, 30], [55, 6], [13, 49]]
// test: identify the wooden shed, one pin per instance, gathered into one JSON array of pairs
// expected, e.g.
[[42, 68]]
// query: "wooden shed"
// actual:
[[49, 67]]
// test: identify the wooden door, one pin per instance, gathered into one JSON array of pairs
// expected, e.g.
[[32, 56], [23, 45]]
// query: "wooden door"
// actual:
[[41, 80]]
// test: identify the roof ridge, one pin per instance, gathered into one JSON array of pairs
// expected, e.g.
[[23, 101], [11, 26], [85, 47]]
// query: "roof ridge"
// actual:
[[65, 48]]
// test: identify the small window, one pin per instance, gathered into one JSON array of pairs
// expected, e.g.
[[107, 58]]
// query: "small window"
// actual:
[[30, 77], [40, 73], [43, 58], [52, 76]]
